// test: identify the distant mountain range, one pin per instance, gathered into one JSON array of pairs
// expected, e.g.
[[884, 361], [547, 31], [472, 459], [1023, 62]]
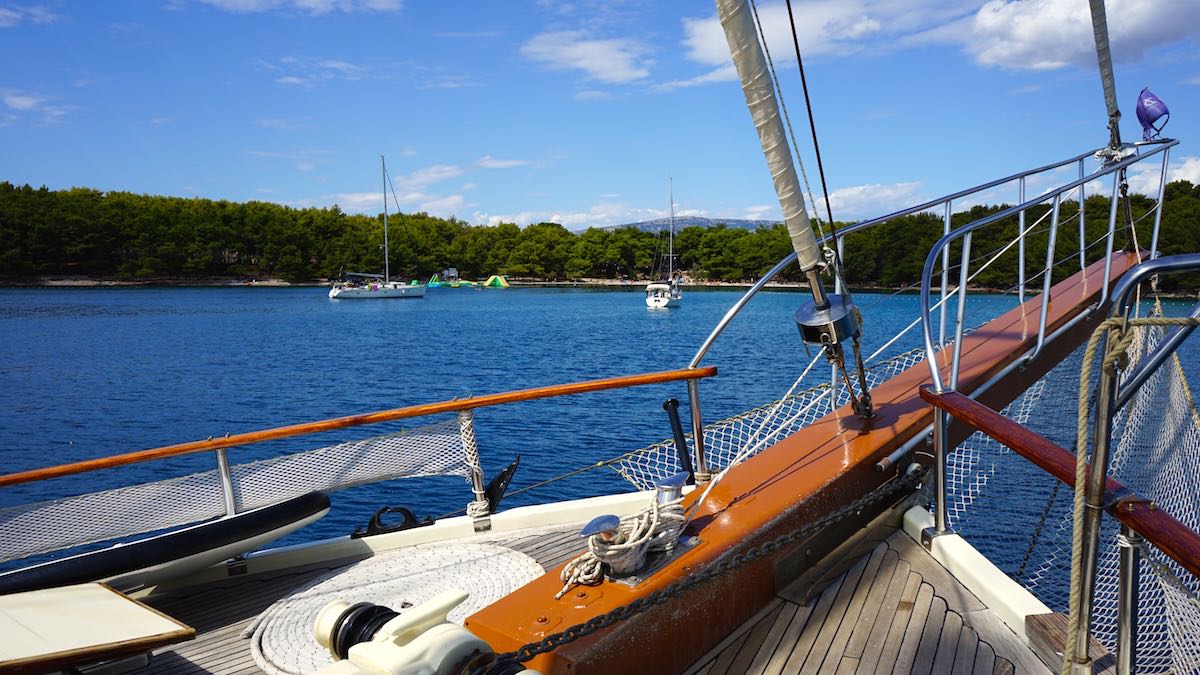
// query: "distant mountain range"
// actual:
[[681, 222]]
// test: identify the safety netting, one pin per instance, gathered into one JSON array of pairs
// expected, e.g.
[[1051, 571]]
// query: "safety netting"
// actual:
[[754, 430], [1021, 518], [53, 525]]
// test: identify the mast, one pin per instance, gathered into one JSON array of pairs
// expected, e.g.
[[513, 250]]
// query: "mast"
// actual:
[[827, 321], [671, 235], [764, 110], [1107, 80], [386, 270]]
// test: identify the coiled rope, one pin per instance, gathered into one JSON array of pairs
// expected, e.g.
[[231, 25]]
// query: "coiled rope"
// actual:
[[654, 529], [1119, 337]]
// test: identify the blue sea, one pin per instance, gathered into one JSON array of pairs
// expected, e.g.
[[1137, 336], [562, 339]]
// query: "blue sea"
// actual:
[[91, 372]]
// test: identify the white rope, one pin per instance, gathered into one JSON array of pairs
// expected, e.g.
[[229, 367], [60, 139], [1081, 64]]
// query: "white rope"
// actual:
[[654, 529]]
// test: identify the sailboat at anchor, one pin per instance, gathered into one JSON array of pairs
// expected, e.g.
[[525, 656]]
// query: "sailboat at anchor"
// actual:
[[666, 293], [361, 285]]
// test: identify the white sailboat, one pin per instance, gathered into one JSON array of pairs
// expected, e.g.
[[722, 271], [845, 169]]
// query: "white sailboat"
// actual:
[[666, 293], [359, 285]]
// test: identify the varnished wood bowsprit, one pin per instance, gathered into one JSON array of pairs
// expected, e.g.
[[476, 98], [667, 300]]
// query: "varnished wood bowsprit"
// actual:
[[1174, 538], [812, 472], [455, 405]]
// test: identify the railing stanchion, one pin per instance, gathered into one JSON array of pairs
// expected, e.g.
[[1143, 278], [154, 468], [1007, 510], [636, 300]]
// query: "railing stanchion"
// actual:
[[226, 482], [959, 325], [1127, 598], [1021, 244], [1047, 282], [1158, 208], [940, 450], [945, 276], [477, 509], [702, 473], [1112, 233], [1082, 228]]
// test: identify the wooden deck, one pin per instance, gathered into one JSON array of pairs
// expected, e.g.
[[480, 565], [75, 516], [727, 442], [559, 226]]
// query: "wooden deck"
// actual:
[[221, 611], [894, 611]]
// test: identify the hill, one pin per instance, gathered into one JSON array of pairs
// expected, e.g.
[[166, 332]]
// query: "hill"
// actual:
[[681, 222]]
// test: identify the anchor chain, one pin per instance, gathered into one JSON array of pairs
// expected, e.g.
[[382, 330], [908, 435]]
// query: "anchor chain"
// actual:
[[504, 662]]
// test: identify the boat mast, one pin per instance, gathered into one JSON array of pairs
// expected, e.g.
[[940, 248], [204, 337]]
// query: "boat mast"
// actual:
[[671, 235], [828, 321], [1107, 80], [386, 270]]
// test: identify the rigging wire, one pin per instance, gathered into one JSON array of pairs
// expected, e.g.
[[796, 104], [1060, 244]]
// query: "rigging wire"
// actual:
[[786, 117], [837, 257]]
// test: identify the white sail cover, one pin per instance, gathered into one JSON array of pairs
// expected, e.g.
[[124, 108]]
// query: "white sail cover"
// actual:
[[764, 110]]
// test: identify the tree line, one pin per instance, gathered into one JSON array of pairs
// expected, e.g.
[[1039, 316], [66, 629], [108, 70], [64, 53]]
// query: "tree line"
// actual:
[[88, 232]]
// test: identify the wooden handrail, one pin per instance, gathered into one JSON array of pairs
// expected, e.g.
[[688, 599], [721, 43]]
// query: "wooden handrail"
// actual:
[[455, 405], [1172, 537]]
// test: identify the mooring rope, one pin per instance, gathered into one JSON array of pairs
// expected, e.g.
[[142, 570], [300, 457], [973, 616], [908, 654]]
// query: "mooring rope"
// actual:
[[655, 528], [1119, 338]]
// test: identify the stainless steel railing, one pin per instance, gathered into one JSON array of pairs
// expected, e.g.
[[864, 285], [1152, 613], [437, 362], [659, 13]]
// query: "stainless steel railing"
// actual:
[[944, 205], [940, 251]]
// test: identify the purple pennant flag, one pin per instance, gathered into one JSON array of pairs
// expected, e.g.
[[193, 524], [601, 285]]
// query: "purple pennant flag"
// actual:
[[1149, 109]]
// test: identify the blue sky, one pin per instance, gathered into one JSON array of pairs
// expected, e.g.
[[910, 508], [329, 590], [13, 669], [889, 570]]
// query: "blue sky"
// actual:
[[572, 112]]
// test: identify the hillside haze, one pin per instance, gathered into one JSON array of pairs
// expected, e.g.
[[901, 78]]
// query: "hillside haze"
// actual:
[[660, 224]]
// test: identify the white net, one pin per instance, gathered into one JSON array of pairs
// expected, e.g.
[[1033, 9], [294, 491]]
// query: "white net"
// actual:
[[757, 428], [1020, 518], [30, 529]]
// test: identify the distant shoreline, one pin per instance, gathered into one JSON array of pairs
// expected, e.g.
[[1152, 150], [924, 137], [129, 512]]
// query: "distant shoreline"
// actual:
[[65, 281], [104, 282], [90, 282]]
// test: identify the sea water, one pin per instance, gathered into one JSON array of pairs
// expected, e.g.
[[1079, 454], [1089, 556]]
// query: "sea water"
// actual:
[[91, 372]]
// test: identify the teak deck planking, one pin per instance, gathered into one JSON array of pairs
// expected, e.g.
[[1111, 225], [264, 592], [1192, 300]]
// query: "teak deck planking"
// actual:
[[905, 622]]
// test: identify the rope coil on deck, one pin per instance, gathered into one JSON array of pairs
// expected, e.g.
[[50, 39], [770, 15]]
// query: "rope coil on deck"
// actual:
[[282, 636], [654, 529]]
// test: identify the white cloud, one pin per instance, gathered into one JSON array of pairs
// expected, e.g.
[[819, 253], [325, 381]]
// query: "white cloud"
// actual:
[[865, 201], [1193, 80], [305, 160], [612, 61], [592, 95], [834, 27], [19, 101], [1050, 34], [314, 7], [1143, 177], [294, 71], [1027, 89], [410, 152], [26, 103], [12, 16], [353, 202], [725, 73], [1015, 34], [489, 162], [423, 178], [283, 123], [599, 215], [761, 212], [468, 186], [443, 207]]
